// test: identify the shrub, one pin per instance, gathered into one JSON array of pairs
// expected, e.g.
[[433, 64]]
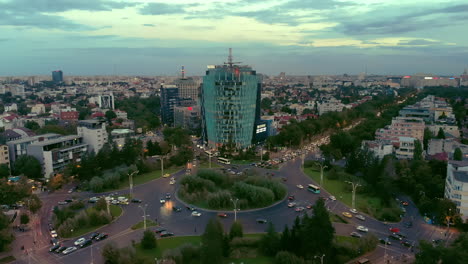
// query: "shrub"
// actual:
[[149, 240], [96, 184], [238, 242], [24, 219]]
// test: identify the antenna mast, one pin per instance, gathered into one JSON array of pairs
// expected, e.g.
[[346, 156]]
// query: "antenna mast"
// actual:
[[230, 60], [183, 72]]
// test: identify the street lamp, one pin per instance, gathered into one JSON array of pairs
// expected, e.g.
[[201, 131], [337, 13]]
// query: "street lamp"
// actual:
[[209, 159], [354, 185], [321, 258], [130, 180], [144, 215], [235, 208], [321, 172], [162, 163]]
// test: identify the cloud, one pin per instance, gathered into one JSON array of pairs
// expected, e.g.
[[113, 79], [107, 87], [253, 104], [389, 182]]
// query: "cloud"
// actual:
[[149, 25], [315, 4], [53, 6], [164, 9], [40, 21], [418, 42]]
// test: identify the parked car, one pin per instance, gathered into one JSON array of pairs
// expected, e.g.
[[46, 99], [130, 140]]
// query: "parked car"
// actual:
[[191, 207], [394, 229], [362, 229], [346, 214], [69, 250], [300, 186], [166, 234], [136, 200], [167, 175], [261, 221], [299, 209], [62, 203], [60, 249], [54, 248], [168, 196], [406, 243], [162, 201], [394, 237], [196, 213], [360, 217], [291, 205], [53, 234], [93, 235], [101, 236], [333, 198], [291, 197], [79, 241], [405, 203], [356, 234], [384, 241], [86, 243], [159, 229], [354, 211]]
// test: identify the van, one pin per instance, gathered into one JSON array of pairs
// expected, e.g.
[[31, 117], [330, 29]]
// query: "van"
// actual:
[[363, 261]]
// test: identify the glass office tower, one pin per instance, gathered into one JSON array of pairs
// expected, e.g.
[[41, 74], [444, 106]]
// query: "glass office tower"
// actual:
[[229, 104]]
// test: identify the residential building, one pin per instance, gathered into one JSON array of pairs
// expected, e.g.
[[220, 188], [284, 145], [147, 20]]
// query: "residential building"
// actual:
[[106, 101], [57, 76], [405, 149], [4, 155], [187, 117], [38, 109], [94, 133], [230, 104], [380, 148], [449, 130], [20, 146], [69, 115], [456, 186], [55, 154], [11, 107], [121, 114], [330, 105], [402, 127], [169, 100], [119, 136]]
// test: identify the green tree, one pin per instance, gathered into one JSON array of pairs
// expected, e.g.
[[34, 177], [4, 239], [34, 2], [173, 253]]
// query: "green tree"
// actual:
[[4, 171], [34, 203], [33, 125], [427, 136], [149, 240], [285, 257], [236, 230], [212, 242], [111, 253], [441, 134], [457, 154], [110, 115], [29, 166], [6, 237], [24, 219], [270, 242], [418, 151]]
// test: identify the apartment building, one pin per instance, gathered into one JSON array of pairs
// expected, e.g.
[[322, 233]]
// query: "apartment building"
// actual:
[[20, 146], [456, 185], [402, 127], [94, 133]]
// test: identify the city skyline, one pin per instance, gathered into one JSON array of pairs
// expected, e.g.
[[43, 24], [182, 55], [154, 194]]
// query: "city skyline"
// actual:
[[106, 37]]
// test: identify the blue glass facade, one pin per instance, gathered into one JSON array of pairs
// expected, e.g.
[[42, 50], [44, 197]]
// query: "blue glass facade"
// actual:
[[230, 105], [169, 100], [57, 76]]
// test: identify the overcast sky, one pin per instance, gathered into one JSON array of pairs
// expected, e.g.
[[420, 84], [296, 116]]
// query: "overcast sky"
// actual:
[[156, 37]]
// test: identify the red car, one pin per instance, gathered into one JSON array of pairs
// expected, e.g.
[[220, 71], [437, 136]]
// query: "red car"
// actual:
[[291, 197], [405, 203], [394, 229], [224, 215]]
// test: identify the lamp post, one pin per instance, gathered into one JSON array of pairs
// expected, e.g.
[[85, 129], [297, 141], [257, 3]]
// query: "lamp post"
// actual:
[[234, 201], [385, 254], [321, 258], [209, 159], [130, 180], [354, 185], [321, 172], [162, 163], [261, 153], [144, 215]]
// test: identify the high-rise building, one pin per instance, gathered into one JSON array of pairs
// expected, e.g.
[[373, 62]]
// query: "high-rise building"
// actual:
[[187, 117], [229, 99], [57, 76], [188, 87], [169, 100]]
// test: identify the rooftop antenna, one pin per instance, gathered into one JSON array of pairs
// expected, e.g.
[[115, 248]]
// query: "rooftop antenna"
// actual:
[[183, 72], [230, 62]]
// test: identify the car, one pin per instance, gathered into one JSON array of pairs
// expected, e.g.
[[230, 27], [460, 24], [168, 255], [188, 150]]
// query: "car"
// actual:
[[115, 202], [309, 206], [101, 236], [346, 214], [159, 229], [408, 224], [176, 209], [384, 241], [196, 213], [300, 186], [402, 235], [333, 198], [354, 211], [360, 217], [394, 237], [291, 205], [168, 196], [53, 234], [93, 235], [356, 234], [394, 229], [60, 249], [62, 203], [437, 241], [162, 201], [405, 203], [134, 200], [71, 190], [86, 243], [93, 200], [191, 207], [69, 200], [299, 209], [261, 221], [54, 248], [291, 197], [223, 215], [167, 175], [69, 250], [79, 241], [362, 228], [406, 243], [284, 179], [54, 241], [166, 234], [172, 182]]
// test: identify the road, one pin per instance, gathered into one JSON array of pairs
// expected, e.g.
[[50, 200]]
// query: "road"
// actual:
[[182, 223]]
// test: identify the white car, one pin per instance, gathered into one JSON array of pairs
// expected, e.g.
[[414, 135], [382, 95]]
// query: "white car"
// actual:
[[69, 250], [333, 198], [162, 201], [80, 241], [300, 186], [360, 217], [53, 233], [195, 213], [352, 210], [172, 182], [362, 229]]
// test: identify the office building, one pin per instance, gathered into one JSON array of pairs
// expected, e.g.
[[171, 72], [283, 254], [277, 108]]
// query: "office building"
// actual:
[[57, 76], [55, 154], [93, 133], [187, 117], [106, 101], [20, 146], [456, 186], [229, 97], [188, 88], [169, 100]]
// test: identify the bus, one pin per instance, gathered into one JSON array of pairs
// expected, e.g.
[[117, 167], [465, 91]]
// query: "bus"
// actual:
[[313, 188], [223, 160], [207, 152]]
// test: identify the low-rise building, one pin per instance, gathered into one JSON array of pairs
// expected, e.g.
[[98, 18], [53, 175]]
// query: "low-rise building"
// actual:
[[380, 148], [4, 155], [402, 127], [119, 136], [20, 146], [94, 133], [187, 117], [456, 186], [406, 146]]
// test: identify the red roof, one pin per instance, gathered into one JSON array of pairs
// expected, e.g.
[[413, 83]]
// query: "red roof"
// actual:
[[98, 114]]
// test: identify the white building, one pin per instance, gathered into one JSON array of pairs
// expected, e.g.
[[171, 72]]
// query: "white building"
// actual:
[[11, 107], [119, 136], [448, 129], [456, 185], [331, 105], [405, 148], [38, 109], [20, 146], [94, 133], [380, 148]]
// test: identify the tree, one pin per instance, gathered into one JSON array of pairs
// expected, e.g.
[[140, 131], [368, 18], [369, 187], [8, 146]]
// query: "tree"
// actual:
[[427, 136], [270, 242], [33, 125], [212, 242], [441, 134], [110, 115], [149, 240], [418, 151], [457, 154], [236, 230], [29, 166], [34, 203], [285, 257], [111, 253], [4, 171], [6, 237], [24, 219]]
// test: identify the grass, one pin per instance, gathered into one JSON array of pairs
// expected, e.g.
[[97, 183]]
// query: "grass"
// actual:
[[338, 219], [364, 203], [141, 224], [206, 165], [144, 178], [7, 259], [115, 210]]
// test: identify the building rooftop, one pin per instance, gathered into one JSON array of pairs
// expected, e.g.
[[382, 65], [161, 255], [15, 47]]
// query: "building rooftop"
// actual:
[[29, 139], [56, 140], [122, 131]]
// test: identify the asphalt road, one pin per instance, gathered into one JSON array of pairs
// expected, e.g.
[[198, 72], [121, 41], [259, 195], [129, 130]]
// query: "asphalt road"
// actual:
[[182, 223]]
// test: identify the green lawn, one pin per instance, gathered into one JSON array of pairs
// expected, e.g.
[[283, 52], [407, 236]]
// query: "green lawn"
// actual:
[[206, 165], [7, 259], [141, 224], [364, 203], [115, 210], [144, 178]]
